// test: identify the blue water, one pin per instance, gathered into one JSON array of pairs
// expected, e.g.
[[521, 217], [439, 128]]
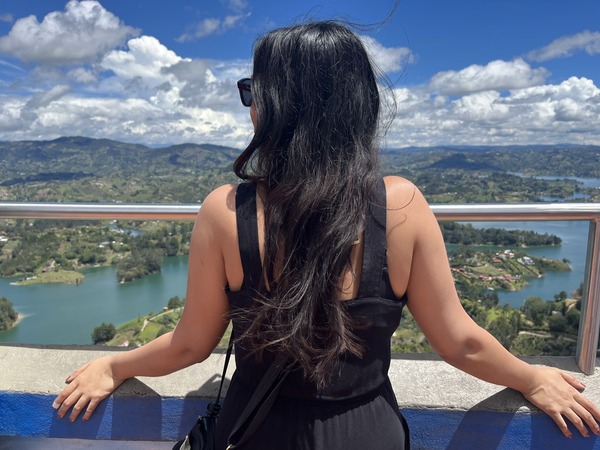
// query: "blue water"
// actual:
[[68, 313], [574, 246]]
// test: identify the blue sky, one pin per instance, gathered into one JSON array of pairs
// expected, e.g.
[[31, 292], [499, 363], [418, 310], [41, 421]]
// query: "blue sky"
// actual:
[[466, 72]]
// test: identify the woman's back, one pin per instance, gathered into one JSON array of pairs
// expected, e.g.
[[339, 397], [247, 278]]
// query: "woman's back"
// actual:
[[404, 213], [358, 394]]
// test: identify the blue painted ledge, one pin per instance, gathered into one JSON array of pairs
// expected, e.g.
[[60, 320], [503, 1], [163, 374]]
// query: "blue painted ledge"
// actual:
[[445, 408]]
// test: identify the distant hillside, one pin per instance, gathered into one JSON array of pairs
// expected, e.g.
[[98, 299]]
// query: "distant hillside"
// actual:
[[79, 169], [562, 159], [462, 161], [71, 158]]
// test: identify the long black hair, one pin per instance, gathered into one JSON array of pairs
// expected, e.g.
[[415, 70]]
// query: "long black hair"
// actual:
[[315, 162]]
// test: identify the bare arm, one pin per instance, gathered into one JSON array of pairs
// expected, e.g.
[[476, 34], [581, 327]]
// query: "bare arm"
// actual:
[[202, 324], [435, 305]]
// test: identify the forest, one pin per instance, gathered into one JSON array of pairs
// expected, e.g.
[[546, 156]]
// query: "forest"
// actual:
[[79, 169]]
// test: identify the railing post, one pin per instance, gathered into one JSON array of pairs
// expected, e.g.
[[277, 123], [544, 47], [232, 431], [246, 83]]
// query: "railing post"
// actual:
[[589, 324]]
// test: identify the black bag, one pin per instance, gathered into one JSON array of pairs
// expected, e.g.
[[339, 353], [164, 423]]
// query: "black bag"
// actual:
[[203, 433]]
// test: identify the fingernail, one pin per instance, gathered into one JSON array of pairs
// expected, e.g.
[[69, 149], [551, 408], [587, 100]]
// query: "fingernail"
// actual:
[[55, 404]]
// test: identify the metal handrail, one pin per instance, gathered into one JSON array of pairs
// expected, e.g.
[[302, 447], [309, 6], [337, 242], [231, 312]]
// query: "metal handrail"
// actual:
[[589, 326]]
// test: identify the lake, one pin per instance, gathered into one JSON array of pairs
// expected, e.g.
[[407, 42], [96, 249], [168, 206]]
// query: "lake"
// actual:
[[574, 246], [67, 314]]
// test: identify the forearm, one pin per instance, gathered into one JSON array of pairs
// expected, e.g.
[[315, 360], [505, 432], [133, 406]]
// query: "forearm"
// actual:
[[162, 356], [482, 356]]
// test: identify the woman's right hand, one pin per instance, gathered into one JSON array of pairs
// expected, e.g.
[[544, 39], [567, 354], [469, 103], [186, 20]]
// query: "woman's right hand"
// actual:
[[559, 395], [88, 386]]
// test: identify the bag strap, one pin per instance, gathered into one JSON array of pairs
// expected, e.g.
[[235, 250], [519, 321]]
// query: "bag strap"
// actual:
[[259, 404], [227, 358]]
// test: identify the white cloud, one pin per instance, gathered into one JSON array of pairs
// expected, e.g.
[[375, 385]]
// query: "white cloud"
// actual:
[[6, 17], [496, 75], [82, 76], [387, 59], [80, 34], [545, 114], [144, 92], [562, 47], [42, 100], [212, 25], [144, 60], [128, 120], [237, 5]]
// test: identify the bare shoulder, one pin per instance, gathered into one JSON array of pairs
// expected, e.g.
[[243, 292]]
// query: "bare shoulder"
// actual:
[[404, 198], [221, 197], [217, 212]]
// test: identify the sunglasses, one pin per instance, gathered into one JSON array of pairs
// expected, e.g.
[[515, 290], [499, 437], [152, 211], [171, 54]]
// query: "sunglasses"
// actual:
[[244, 86]]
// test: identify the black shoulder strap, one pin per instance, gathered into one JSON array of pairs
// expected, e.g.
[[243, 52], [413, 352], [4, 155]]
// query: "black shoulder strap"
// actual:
[[374, 250], [259, 405], [266, 392], [247, 227], [227, 358]]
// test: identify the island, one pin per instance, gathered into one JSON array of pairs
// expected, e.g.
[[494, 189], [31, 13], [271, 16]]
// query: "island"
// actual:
[[8, 316]]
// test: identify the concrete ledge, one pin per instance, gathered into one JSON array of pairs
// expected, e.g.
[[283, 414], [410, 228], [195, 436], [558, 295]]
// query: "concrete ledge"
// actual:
[[444, 407]]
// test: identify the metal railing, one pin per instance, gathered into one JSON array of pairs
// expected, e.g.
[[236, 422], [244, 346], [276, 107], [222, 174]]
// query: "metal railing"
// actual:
[[589, 326]]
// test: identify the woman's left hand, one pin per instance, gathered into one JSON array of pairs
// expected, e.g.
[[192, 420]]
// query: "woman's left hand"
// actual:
[[88, 386], [558, 395]]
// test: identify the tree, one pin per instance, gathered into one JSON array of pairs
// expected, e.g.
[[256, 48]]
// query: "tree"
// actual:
[[8, 316], [103, 333], [174, 302], [504, 329], [557, 323], [536, 309], [562, 295]]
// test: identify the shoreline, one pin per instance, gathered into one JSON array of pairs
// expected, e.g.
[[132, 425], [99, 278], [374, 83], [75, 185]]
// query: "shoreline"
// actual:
[[61, 277], [20, 317]]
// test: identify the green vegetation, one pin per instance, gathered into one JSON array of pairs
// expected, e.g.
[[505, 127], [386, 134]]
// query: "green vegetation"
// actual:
[[103, 333], [138, 264], [77, 169], [8, 316], [144, 329], [537, 328], [47, 251], [466, 234]]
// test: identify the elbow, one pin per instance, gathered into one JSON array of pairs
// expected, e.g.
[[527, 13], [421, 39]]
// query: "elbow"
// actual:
[[459, 354]]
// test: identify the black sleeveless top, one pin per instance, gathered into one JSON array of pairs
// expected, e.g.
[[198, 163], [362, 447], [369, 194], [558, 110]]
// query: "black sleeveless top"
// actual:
[[359, 398]]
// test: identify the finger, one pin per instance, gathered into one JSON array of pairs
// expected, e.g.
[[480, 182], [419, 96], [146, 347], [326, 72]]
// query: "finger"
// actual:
[[76, 373], [589, 406], [70, 401], [584, 412], [59, 400], [90, 409], [575, 419], [78, 407], [573, 381], [562, 425]]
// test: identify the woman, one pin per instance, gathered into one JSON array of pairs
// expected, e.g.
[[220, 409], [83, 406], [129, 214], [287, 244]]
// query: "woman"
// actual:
[[313, 259]]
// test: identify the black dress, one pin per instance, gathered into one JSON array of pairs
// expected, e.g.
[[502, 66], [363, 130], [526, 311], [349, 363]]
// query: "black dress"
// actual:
[[358, 409]]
